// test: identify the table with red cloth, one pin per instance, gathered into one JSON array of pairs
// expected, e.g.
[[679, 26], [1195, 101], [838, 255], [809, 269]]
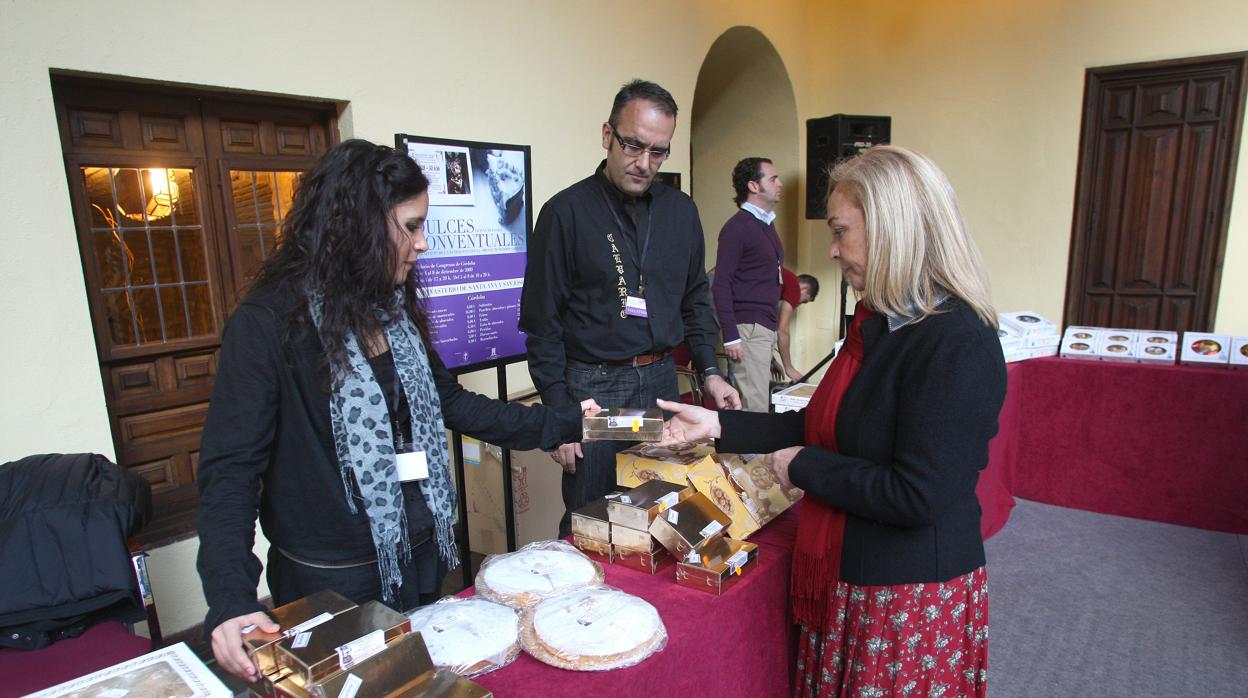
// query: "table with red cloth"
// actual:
[[1163, 443], [737, 644]]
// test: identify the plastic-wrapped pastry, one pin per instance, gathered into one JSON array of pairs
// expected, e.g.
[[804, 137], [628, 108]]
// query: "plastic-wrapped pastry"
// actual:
[[593, 629], [469, 636], [535, 572]]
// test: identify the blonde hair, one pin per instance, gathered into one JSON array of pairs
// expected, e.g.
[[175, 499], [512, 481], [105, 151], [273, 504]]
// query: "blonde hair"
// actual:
[[917, 242]]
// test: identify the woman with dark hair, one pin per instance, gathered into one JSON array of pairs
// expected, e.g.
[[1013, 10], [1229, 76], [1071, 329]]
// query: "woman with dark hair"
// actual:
[[889, 585], [330, 407]]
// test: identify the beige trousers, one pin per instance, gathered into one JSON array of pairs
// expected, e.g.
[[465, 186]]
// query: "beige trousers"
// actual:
[[754, 372]]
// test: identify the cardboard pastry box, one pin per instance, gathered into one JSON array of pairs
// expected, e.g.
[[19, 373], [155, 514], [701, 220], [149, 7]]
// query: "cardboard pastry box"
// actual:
[[721, 563], [645, 462], [341, 643], [637, 507], [625, 424], [296, 616]]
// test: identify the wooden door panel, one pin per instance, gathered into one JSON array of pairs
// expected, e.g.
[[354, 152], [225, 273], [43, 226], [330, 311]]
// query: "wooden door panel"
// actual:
[[144, 165], [1162, 103], [1103, 242], [1148, 201], [1153, 200]]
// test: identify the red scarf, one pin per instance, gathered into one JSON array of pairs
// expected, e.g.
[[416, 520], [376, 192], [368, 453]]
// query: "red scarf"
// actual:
[[820, 527]]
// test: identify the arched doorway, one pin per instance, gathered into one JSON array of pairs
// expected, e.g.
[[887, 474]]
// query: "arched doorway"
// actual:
[[743, 106]]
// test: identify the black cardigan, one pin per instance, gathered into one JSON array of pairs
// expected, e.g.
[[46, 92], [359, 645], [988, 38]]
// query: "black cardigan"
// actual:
[[912, 435], [268, 448]]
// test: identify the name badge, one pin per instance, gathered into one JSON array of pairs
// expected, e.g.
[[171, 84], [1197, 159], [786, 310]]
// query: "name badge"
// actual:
[[636, 306], [412, 466]]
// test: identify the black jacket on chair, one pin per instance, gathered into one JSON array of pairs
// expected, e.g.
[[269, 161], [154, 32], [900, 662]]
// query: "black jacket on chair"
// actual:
[[64, 564]]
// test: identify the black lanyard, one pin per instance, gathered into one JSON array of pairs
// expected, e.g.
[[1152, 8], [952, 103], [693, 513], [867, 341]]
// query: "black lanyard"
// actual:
[[645, 243]]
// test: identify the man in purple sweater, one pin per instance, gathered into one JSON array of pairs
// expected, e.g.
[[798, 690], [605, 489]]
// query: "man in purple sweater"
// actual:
[[747, 279]]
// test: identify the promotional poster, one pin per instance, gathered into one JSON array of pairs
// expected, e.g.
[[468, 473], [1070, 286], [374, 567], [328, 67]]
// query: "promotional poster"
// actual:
[[480, 215]]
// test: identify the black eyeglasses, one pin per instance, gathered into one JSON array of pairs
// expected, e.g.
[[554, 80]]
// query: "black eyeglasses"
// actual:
[[634, 150]]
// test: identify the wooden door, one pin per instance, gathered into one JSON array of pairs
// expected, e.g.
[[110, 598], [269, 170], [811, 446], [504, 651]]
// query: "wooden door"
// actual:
[[1157, 154], [156, 214]]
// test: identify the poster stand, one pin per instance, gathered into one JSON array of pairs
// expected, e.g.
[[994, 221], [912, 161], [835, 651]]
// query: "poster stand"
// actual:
[[509, 503]]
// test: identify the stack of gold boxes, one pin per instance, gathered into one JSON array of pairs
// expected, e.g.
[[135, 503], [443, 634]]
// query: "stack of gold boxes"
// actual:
[[327, 645], [591, 531], [630, 515], [740, 485], [695, 533]]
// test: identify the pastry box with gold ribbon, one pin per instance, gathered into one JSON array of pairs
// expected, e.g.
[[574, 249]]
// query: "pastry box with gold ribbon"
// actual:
[[624, 424], [292, 618], [718, 565], [340, 643]]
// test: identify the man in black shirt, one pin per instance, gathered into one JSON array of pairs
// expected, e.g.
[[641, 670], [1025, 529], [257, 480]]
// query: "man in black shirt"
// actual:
[[614, 282]]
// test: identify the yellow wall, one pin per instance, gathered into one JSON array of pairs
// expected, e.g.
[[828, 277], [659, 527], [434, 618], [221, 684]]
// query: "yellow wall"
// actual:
[[540, 73], [992, 90]]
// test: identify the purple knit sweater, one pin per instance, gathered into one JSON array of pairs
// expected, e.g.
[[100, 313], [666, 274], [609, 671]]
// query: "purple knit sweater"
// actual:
[[747, 274]]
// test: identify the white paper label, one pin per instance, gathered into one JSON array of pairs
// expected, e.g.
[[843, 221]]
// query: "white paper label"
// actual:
[[301, 640], [472, 451], [308, 624], [737, 559], [625, 499], [711, 529], [613, 495], [112, 693], [670, 499], [633, 423], [692, 556], [360, 649], [673, 516], [350, 686], [412, 466]]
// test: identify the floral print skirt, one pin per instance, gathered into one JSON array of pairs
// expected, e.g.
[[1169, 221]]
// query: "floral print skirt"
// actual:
[[927, 640]]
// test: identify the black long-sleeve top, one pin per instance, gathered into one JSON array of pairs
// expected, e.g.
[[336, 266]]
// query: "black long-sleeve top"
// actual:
[[912, 434], [571, 307], [268, 448]]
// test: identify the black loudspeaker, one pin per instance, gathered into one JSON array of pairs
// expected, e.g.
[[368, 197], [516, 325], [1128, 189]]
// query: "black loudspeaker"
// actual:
[[831, 139]]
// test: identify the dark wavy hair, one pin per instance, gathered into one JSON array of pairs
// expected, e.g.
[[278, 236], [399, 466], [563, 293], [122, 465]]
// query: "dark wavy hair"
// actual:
[[336, 241], [747, 170]]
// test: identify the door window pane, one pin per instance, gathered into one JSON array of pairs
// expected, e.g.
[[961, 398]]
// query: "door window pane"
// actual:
[[261, 201], [149, 245]]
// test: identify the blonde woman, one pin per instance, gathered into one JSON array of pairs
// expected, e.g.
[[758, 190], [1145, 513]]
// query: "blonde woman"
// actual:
[[888, 585]]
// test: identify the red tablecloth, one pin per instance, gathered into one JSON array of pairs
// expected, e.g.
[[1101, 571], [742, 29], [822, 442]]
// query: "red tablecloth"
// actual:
[[738, 644], [102, 645], [1164, 443]]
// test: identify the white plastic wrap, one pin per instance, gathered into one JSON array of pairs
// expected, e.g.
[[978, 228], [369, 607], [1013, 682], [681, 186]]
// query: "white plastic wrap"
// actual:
[[535, 572], [592, 629], [469, 636]]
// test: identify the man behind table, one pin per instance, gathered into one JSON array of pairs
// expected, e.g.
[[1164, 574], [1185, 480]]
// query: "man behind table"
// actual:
[[614, 281], [747, 279]]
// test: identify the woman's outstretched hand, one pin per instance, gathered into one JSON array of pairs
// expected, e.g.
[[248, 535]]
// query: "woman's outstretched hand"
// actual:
[[688, 423]]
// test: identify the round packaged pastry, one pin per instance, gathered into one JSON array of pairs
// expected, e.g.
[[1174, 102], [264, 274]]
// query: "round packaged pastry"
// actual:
[[535, 572], [469, 636], [592, 629]]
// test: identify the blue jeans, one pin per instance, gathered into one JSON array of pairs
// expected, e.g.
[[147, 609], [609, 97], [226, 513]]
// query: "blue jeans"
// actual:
[[610, 386]]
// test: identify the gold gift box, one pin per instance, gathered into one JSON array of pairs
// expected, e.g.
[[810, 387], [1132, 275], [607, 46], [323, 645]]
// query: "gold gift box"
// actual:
[[332, 646], [643, 462], [689, 524], [590, 521], [594, 549], [648, 562], [625, 424], [397, 670], [722, 562], [637, 507], [623, 537], [262, 646], [762, 496]]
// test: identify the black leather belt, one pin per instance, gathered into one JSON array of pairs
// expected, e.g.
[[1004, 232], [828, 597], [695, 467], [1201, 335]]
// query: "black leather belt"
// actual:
[[418, 539]]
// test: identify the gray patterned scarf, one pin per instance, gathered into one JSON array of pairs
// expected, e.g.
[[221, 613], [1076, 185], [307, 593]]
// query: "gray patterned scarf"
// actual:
[[365, 442]]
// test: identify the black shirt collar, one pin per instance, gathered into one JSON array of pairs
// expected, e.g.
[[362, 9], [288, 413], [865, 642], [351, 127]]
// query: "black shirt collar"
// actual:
[[618, 197]]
